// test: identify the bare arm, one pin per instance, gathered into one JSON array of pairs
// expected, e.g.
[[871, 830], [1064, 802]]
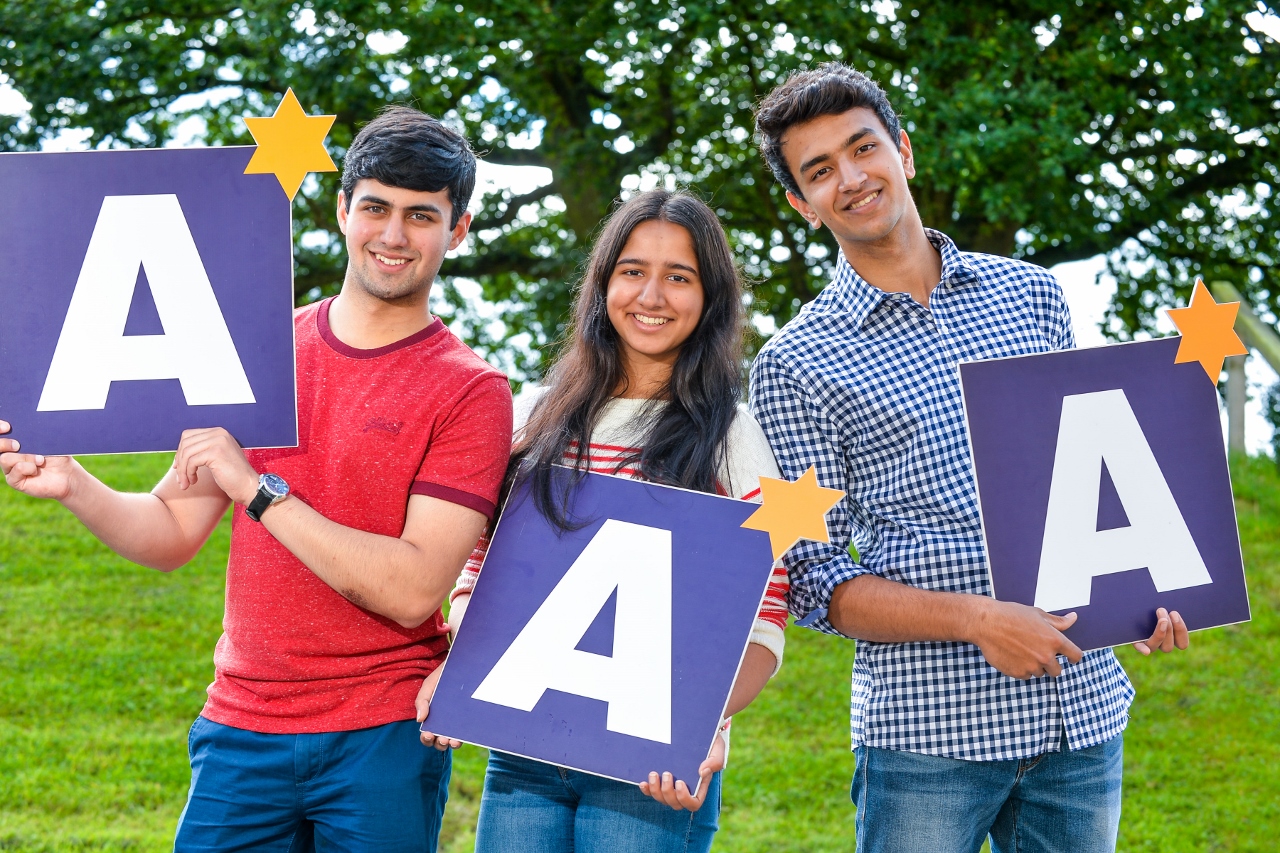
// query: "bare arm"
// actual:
[[757, 668], [403, 579], [159, 530], [1020, 641]]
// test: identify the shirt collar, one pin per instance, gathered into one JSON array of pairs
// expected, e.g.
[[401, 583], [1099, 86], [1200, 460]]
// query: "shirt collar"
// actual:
[[859, 298]]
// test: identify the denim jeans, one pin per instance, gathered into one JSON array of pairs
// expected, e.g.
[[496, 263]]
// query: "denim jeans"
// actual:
[[375, 789], [1060, 801], [534, 807]]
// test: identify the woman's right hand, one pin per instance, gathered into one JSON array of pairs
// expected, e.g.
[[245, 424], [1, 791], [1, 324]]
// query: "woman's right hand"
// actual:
[[37, 476], [423, 705]]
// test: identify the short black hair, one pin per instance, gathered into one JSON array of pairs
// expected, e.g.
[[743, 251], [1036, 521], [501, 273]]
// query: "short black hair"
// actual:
[[407, 148], [830, 89]]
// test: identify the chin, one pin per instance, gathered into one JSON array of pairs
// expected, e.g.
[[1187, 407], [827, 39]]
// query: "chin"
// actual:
[[393, 291]]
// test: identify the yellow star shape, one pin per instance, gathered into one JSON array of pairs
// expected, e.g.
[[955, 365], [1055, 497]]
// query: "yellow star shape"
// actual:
[[793, 511], [1208, 333], [290, 144]]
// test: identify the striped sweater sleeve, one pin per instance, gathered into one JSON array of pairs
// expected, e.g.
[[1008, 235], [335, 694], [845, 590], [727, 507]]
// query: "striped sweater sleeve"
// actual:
[[749, 459]]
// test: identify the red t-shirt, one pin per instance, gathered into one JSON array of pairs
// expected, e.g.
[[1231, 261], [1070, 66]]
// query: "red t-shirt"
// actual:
[[423, 416]]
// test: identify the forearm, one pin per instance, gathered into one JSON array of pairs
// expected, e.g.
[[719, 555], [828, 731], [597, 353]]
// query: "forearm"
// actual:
[[388, 576], [757, 668], [884, 611], [139, 527]]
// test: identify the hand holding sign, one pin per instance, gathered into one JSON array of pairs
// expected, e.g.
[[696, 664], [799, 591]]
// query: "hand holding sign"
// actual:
[[594, 648], [32, 474], [1103, 484], [172, 306]]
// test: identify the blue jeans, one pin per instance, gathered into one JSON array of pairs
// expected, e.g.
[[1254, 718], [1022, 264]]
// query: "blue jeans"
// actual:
[[374, 789], [534, 807], [1059, 801]]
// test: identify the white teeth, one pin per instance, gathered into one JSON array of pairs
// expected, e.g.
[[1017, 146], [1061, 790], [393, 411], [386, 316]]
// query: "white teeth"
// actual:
[[394, 262], [650, 321], [866, 201]]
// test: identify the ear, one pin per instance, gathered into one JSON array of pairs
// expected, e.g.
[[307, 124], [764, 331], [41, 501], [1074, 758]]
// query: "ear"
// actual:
[[342, 212], [459, 232], [908, 161], [802, 207]]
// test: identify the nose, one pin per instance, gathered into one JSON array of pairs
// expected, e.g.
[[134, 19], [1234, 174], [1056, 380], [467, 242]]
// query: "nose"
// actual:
[[651, 293], [852, 176], [393, 233]]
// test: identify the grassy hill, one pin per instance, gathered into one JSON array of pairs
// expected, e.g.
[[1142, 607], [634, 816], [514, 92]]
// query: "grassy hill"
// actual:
[[103, 667]]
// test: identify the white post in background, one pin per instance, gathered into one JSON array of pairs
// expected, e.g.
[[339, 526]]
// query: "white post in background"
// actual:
[[1236, 388]]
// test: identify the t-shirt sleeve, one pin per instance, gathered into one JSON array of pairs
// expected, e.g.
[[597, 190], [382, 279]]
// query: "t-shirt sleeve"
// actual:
[[467, 457]]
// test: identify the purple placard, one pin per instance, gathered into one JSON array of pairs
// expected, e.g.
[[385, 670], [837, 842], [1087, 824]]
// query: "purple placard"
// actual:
[[719, 574], [241, 228], [1014, 408]]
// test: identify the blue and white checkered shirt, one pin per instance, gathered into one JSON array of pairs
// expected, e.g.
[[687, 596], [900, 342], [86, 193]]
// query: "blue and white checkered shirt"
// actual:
[[864, 385]]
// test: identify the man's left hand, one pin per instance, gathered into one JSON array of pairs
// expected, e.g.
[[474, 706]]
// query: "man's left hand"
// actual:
[[1170, 634], [217, 451]]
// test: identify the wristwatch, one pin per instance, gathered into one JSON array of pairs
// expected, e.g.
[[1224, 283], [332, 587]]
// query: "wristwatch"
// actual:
[[271, 490]]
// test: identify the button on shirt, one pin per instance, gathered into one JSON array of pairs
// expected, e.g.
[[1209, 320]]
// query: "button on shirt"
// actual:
[[864, 385]]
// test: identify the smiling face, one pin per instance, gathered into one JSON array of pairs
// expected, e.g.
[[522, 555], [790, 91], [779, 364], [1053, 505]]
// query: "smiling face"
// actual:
[[654, 301], [397, 239], [853, 176]]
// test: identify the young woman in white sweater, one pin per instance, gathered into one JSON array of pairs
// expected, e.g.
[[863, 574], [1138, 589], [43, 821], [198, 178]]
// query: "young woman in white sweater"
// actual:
[[648, 387]]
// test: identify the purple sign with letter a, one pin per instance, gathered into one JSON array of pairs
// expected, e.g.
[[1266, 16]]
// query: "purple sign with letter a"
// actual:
[[144, 293], [1104, 488], [611, 648]]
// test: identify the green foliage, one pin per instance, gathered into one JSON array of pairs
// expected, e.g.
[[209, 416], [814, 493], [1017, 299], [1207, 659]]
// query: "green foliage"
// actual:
[[1053, 131], [103, 666]]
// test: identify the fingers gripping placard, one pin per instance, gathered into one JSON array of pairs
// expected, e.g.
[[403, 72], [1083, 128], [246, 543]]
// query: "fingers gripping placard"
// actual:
[[609, 648], [1103, 485], [167, 303]]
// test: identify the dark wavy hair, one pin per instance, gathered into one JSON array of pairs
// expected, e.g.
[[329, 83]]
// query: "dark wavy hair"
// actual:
[[409, 149], [686, 444], [830, 89]]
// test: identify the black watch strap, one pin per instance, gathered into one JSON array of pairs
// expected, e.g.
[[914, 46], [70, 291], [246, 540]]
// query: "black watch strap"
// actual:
[[259, 504], [271, 489]]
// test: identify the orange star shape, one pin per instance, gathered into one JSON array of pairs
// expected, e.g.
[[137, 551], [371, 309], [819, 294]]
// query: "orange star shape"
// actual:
[[793, 511], [290, 144], [1208, 333]]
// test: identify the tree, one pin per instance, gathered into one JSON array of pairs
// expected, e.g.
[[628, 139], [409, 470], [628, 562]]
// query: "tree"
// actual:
[[1047, 130]]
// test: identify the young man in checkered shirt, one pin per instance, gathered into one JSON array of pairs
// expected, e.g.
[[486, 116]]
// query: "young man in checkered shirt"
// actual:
[[969, 716]]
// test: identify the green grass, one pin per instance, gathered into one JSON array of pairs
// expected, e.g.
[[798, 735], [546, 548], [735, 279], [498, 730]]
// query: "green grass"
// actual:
[[103, 667]]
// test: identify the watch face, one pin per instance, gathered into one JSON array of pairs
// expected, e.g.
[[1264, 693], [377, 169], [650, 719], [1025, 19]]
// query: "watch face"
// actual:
[[275, 485]]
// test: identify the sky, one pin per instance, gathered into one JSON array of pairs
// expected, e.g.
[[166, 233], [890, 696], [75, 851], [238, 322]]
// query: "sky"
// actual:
[[1086, 295]]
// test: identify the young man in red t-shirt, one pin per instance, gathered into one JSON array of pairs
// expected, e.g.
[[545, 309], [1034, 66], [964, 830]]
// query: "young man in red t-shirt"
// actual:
[[343, 548]]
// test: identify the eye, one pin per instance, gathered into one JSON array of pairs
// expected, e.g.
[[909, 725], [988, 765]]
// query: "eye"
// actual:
[[862, 149], [820, 172], [677, 277], [375, 208]]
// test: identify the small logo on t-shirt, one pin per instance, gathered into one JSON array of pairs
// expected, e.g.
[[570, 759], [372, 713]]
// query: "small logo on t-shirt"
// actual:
[[384, 425]]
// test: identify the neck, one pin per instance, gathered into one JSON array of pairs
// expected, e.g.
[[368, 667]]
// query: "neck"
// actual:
[[363, 321], [903, 261], [645, 379]]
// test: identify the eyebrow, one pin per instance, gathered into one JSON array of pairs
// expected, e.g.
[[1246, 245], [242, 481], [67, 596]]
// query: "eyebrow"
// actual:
[[413, 208], [637, 262], [848, 143]]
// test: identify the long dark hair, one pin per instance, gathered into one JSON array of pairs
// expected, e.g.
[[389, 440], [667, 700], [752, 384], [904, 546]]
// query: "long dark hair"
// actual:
[[686, 444]]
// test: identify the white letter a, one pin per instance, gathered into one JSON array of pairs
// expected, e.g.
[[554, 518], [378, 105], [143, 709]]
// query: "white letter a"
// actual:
[[93, 351], [636, 681], [1095, 428]]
